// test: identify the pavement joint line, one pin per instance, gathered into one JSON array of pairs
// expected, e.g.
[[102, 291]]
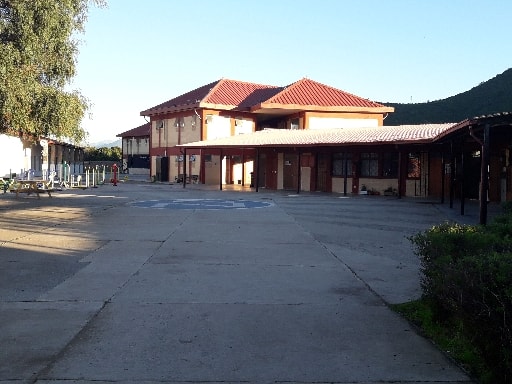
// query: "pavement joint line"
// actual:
[[60, 354]]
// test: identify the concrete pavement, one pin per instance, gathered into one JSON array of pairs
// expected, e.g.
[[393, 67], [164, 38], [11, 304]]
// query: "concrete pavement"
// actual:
[[153, 283]]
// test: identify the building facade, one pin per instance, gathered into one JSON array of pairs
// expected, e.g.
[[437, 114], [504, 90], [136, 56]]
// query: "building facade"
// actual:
[[229, 108], [311, 137], [27, 157], [135, 147]]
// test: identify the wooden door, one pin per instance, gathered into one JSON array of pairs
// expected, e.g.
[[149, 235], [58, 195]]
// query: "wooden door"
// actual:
[[290, 171], [322, 172], [271, 171]]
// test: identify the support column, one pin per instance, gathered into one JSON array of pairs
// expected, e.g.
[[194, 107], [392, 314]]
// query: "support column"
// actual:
[[184, 166], [443, 174], [462, 191], [345, 171], [484, 175], [257, 170], [298, 173], [243, 168], [452, 174], [220, 170], [401, 179]]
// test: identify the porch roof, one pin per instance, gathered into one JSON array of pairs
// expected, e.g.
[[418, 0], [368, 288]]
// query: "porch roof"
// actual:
[[476, 124], [401, 134]]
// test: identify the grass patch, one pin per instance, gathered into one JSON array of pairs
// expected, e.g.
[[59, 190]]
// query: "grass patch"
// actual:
[[448, 335]]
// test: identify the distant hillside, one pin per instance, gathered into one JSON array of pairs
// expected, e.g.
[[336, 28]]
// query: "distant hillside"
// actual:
[[106, 144], [492, 96]]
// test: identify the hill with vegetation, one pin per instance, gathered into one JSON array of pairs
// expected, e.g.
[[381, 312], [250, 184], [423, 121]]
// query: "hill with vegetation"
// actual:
[[492, 96]]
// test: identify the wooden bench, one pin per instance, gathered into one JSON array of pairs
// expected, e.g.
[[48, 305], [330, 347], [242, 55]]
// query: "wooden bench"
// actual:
[[31, 186]]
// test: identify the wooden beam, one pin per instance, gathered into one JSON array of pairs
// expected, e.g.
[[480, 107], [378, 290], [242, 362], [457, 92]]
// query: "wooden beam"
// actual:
[[484, 175], [462, 189], [345, 171], [452, 174], [184, 167], [220, 170], [257, 170], [298, 173], [443, 175]]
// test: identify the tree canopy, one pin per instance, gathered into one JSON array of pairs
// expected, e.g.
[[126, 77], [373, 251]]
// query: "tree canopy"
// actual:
[[103, 154], [38, 50]]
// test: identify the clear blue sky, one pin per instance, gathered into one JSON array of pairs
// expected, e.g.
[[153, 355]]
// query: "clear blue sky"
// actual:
[[136, 54]]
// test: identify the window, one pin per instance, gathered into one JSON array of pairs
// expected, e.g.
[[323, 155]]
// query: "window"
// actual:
[[390, 164], [340, 162], [369, 164], [294, 124]]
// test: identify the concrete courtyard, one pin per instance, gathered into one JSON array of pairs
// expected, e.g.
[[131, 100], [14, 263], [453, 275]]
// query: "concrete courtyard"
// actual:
[[155, 283]]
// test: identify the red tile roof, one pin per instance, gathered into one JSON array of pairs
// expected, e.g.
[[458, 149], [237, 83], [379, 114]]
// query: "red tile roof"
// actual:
[[238, 93], [142, 130], [335, 137], [227, 94], [186, 101], [307, 92]]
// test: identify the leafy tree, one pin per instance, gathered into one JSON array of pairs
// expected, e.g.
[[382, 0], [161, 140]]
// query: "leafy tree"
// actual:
[[102, 154], [38, 49]]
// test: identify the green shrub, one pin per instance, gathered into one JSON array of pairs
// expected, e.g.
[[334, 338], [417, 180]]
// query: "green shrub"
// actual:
[[467, 277]]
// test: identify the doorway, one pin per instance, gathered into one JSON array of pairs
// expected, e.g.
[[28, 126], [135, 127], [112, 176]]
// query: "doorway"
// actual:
[[322, 172], [290, 171]]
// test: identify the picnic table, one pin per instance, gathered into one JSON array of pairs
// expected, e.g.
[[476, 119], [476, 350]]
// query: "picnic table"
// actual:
[[31, 186]]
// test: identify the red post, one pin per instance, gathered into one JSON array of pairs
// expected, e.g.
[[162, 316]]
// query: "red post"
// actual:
[[114, 171]]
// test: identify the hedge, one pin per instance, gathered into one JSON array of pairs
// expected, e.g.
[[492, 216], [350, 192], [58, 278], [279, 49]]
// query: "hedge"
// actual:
[[467, 276]]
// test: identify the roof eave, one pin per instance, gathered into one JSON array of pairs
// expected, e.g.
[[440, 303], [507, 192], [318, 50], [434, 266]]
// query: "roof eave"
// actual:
[[225, 107], [318, 108], [173, 109]]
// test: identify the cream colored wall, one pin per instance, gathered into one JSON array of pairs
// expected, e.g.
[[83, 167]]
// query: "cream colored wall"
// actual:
[[237, 172], [339, 122], [211, 170], [12, 156], [163, 137], [305, 179], [280, 165], [153, 165], [315, 120], [218, 127], [243, 126], [378, 185], [338, 183], [191, 132], [135, 146], [176, 167], [195, 166], [177, 129], [413, 188], [174, 171]]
